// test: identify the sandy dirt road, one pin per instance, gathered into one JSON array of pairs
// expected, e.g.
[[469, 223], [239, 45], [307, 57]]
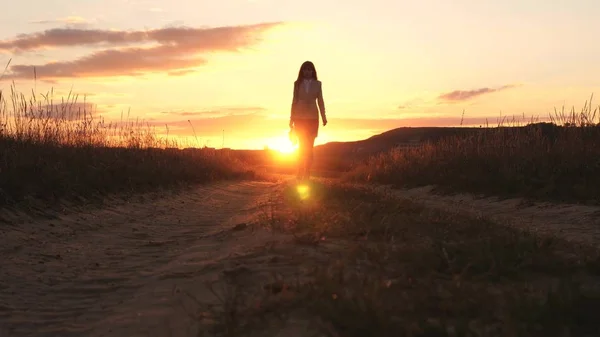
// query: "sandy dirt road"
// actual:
[[113, 271]]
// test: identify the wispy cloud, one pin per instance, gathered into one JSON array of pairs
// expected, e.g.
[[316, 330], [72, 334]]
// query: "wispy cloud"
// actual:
[[219, 38], [181, 72], [69, 20], [112, 62], [176, 50], [464, 95], [217, 113], [413, 103]]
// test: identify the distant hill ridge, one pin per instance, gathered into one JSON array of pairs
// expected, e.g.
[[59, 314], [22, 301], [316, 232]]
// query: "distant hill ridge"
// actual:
[[410, 136]]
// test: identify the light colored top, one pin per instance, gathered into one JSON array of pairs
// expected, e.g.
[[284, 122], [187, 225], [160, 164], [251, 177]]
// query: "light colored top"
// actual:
[[308, 101], [306, 84]]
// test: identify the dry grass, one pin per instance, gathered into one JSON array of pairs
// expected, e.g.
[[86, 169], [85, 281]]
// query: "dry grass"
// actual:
[[53, 150], [390, 267], [558, 160]]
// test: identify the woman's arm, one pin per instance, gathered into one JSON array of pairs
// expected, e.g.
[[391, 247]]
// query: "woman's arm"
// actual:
[[294, 98], [321, 104]]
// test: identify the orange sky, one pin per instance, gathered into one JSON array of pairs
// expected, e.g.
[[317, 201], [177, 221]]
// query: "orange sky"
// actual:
[[227, 67]]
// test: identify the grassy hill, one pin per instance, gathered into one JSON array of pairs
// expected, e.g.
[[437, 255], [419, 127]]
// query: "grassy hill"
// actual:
[[404, 137], [413, 136]]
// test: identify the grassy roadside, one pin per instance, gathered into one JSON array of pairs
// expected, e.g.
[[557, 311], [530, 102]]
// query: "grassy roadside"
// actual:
[[51, 173], [364, 264], [556, 161], [53, 151]]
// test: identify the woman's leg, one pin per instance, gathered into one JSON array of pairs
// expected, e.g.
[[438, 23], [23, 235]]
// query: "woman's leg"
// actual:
[[307, 131], [312, 131], [310, 143], [302, 146]]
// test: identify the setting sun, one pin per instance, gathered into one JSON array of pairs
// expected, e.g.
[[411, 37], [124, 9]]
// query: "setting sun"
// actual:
[[286, 148], [282, 145]]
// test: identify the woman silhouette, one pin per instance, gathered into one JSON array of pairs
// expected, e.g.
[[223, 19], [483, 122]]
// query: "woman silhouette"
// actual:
[[304, 118]]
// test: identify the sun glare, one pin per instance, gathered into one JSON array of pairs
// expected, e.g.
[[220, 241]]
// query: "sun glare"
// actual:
[[286, 148], [283, 146]]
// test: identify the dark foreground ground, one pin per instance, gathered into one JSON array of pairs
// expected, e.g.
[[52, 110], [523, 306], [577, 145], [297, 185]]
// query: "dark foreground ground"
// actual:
[[287, 259], [371, 264]]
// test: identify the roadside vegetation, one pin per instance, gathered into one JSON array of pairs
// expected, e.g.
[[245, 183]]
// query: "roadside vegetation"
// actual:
[[53, 150], [559, 160]]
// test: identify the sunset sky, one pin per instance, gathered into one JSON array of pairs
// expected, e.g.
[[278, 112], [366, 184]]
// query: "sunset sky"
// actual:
[[230, 64]]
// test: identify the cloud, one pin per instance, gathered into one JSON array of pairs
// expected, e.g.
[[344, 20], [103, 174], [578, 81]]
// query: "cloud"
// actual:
[[176, 50], [427, 100], [464, 95], [219, 38], [69, 20], [216, 113], [181, 72], [112, 62]]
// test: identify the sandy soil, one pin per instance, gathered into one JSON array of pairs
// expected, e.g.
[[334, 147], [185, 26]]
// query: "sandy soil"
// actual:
[[576, 223], [116, 271]]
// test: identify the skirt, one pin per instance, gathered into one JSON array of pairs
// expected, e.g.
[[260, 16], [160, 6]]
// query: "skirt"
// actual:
[[306, 127]]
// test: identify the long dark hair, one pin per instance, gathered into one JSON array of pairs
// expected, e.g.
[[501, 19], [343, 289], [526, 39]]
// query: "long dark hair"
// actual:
[[304, 65]]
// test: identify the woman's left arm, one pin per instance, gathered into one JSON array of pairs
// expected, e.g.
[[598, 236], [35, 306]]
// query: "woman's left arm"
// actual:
[[321, 104]]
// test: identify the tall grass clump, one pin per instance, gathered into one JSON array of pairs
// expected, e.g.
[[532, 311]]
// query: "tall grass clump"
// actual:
[[52, 150], [558, 160]]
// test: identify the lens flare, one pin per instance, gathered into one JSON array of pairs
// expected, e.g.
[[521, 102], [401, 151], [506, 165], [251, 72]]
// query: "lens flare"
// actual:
[[303, 191]]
